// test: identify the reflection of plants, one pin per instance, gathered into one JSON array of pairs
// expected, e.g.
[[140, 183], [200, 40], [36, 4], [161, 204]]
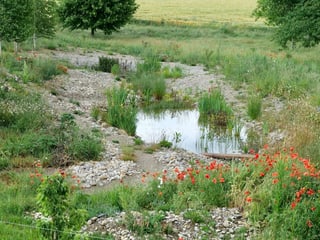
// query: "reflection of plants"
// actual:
[[177, 138]]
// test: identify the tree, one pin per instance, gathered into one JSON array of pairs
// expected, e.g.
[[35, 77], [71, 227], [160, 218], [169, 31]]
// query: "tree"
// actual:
[[21, 18], [106, 15], [44, 18], [296, 20], [16, 20]]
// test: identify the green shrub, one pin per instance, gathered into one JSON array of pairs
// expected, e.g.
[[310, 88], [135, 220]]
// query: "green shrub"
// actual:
[[121, 112], [175, 72], [150, 85], [106, 64], [85, 148], [151, 64], [212, 106], [254, 107]]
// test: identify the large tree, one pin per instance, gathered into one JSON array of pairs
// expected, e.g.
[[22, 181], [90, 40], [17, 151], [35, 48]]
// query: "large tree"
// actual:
[[106, 15], [296, 20], [19, 19], [44, 19], [16, 20]]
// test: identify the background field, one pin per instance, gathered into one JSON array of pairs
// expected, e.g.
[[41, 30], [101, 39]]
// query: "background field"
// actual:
[[193, 11]]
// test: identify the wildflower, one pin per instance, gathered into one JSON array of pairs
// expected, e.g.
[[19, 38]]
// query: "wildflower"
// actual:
[[256, 156], [293, 205], [309, 223], [207, 176], [266, 146], [222, 180], [214, 180], [275, 174], [310, 192], [261, 174], [193, 181], [313, 209], [275, 181], [249, 199], [246, 192]]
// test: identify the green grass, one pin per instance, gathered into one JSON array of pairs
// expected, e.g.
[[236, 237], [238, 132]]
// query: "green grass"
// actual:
[[121, 112]]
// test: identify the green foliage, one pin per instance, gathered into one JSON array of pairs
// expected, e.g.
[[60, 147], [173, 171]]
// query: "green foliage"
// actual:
[[147, 223], [254, 107], [175, 72], [54, 203], [213, 106], [16, 20], [121, 111], [106, 64], [45, 17], [300, 25], [105, 15], [297, 20]]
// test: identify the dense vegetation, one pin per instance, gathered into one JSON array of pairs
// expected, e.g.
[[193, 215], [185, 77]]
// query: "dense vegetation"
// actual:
[[278, 188]]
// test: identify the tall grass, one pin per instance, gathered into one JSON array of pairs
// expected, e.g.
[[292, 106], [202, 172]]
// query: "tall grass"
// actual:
[[213, 103], [121, 112]]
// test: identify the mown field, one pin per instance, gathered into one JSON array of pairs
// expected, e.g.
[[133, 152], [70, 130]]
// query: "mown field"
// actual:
[[196, 12], [278, 190]]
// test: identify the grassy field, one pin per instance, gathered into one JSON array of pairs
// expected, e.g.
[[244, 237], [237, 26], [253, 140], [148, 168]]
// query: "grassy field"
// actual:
[[196, 12]]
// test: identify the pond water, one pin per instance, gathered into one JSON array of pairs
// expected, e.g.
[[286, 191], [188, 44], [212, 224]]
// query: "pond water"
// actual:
[[183, 129]]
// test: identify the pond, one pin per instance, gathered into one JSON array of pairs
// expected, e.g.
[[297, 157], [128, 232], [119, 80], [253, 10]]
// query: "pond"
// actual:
[[184, 130]]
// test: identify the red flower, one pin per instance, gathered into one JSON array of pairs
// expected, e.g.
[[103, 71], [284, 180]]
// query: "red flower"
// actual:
[[214, 180], [310, 192], [275, 181], [207, 176], [222, 180], [309, 223], [275, 174], [293, 205], [313, 208], [262, 174], [249, 199], [246, 193]]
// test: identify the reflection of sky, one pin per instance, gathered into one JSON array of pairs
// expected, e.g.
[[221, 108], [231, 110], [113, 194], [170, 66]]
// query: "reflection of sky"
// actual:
[[152, 128]]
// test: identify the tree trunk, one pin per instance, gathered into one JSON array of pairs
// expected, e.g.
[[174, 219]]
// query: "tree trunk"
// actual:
[[34, 41], [92, 31], [0, 48], [15, 44]]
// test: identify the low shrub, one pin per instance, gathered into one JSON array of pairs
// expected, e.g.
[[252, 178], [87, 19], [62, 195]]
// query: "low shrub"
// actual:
[[121, 112], [106, 64], [254, 107]]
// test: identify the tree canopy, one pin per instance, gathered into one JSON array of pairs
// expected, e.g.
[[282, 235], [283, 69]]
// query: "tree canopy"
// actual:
[[16, 20], [105, 15], [296, 20]]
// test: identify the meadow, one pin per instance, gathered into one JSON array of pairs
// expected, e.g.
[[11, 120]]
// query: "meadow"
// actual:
[[279, 187]]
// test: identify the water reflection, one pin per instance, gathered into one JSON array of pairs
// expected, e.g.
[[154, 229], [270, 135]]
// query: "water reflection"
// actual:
[[185, 130]]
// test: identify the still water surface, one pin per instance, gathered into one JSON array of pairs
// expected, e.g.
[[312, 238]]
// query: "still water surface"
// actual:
[[183, 130]]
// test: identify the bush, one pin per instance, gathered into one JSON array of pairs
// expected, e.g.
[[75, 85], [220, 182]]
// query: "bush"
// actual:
[[106, 64], [121, 112], [254, 107]]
